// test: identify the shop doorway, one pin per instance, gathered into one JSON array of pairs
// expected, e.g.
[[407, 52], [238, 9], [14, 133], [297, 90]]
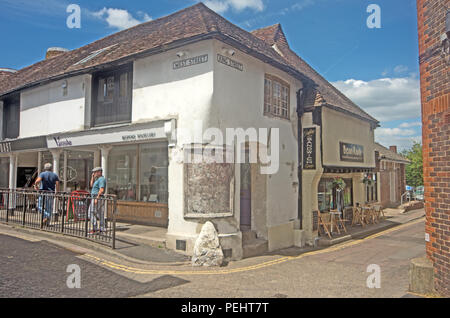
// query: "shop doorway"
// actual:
[[26, 176], [246, 197]]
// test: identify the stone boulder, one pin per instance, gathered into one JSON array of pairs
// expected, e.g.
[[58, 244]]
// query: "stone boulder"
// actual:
[[207, 250]]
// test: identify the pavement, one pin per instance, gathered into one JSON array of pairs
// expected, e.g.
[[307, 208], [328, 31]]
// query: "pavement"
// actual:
[[141, 244], [339, 271]]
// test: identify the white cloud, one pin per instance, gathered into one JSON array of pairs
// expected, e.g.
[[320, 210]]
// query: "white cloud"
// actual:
[[221, 6], [382, 132], [408, 125], [386, 99], [402, 142], [400, 69], [121, 19]]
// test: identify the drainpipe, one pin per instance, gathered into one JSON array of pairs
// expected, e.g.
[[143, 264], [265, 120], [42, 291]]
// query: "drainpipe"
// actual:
[[300, 112]]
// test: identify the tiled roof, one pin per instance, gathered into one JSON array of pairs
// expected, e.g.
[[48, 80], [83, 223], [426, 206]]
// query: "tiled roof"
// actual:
[[191, 24], [326, 93], [385, 153]]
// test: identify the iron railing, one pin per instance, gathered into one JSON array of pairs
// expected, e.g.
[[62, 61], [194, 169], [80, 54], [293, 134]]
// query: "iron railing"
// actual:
[[76, 214]]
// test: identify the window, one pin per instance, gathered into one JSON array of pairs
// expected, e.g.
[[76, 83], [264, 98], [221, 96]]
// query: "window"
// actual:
[[112, 102], [139, 172], [4, 172], [276, 97], [371, 188], [11, 117], [327, 194], [122, 172], [153, 172]]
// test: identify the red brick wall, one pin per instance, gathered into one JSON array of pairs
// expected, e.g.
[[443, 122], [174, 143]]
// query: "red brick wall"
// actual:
[[435, 90]]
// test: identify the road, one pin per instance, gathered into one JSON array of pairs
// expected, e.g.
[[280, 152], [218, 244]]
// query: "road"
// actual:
[[39, 269]]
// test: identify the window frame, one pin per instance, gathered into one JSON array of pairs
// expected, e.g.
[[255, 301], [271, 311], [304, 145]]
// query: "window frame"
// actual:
[[272, 109], [115, 101]]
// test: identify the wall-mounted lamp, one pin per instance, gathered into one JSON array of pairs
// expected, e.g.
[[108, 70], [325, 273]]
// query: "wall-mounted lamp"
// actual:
[[64, 88], [181, 54], [228, 51]]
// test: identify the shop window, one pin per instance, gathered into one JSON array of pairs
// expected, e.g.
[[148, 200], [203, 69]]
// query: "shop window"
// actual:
[[113, 92], [276, 97], [153, 172], [328, 194], [139, 172], [122, 172], [370, 181], [4, 172]]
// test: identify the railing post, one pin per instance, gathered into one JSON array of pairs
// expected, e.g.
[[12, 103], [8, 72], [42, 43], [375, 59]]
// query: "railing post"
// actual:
[[24, 208], [7, 205], [114, 223], [86, 219], [42, 201], [62, 214]]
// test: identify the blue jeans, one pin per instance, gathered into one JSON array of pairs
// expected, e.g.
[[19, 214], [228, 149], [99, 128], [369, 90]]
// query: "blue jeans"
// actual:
[[97, 213], [48, 208]]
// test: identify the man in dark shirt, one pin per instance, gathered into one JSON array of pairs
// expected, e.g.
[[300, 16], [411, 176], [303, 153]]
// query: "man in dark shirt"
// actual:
[[47, 181]]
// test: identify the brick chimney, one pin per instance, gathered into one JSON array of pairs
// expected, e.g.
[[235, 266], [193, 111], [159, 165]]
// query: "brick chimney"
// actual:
[[54, 51], [393, 148]]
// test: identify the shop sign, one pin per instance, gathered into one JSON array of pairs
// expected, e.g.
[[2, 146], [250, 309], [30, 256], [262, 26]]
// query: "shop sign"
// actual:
[[106, 138], [229, 62], [190, 61], [351, 152], [309, 148]]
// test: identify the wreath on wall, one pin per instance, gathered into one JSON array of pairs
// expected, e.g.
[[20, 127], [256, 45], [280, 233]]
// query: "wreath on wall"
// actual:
[[339, 183]]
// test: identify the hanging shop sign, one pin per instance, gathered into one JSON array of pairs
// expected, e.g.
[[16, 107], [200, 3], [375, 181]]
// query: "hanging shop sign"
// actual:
[[309, 148], [190, 61], [107, 137], [351, 152], [229, 62], [32, 143]]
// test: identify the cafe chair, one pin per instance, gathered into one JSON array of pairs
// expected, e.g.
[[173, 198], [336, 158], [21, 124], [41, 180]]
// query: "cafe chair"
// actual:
[[358, 217], [324, 221]]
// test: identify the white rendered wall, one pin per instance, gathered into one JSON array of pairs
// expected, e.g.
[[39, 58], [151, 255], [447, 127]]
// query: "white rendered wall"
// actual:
[[44, 110]]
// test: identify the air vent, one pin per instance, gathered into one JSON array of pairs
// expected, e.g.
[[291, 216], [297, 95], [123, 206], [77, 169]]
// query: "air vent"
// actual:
[[181, 245]]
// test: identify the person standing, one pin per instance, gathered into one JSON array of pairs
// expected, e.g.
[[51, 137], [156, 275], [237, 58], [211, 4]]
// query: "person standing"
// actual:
[[96, 208], [47, 181]]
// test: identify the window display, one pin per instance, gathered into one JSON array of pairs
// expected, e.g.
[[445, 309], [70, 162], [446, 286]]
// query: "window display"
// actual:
[[153, 167], [122, 172], [328, 192]]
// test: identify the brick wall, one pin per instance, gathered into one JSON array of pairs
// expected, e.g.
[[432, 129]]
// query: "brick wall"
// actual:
[[435, 90]]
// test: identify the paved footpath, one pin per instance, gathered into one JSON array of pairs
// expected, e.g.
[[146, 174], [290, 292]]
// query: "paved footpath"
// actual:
[[339, 271]]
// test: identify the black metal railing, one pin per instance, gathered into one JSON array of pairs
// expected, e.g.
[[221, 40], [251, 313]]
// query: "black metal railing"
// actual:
[[77, 214]]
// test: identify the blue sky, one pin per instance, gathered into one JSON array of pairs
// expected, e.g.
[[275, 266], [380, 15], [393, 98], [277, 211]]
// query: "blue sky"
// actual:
[[376, 68]]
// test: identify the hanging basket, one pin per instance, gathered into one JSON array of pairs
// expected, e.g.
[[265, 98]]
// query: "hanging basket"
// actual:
[[339, 183]]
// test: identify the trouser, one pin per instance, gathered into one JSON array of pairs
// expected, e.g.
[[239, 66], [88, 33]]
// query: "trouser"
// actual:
[[47, 201], [96, 214]]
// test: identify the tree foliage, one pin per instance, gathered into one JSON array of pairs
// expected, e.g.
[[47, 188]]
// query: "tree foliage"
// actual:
[[414, 171]]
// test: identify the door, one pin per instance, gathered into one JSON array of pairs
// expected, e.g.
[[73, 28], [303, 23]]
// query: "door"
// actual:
[[246, 197]]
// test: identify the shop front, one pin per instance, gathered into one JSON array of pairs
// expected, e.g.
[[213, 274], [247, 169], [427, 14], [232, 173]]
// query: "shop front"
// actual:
[[135, 164]]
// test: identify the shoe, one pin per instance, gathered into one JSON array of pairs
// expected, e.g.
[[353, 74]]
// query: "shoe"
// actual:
[[93, 232]]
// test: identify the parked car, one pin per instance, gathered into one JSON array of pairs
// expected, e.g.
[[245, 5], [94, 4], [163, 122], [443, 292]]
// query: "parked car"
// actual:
[[419, 193]]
